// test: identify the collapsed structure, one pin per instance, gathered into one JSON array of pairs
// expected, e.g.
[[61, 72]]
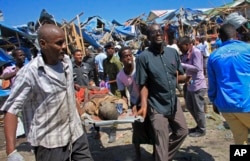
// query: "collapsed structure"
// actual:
[[96, 31]]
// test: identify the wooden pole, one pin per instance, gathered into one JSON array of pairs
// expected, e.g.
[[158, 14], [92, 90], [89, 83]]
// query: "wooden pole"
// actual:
[[67, 41], [81, 37], [18, 39]]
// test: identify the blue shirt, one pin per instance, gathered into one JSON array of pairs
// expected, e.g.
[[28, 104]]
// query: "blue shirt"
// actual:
[[229, 77], [99, 61]]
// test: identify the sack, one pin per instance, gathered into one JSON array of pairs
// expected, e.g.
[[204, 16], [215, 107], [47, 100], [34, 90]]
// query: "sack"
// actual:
[[85, 94], [235, 19], [105, 107], [5, 84]]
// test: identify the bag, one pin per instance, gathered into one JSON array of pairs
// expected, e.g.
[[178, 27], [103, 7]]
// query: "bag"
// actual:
[[5, 84], [100, 104], [85, 94]]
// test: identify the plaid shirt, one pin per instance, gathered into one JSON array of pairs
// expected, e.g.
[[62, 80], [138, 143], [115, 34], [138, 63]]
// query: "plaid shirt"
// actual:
[[47, 102]]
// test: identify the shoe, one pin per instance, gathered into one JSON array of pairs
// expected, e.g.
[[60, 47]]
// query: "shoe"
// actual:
[[197, 133], [192, 130]]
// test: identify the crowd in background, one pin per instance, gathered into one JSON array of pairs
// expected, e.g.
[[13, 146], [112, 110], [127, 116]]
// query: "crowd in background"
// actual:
[[153, 75]]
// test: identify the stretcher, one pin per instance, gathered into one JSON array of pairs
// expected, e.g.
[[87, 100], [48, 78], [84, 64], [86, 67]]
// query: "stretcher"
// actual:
[[124, 118]]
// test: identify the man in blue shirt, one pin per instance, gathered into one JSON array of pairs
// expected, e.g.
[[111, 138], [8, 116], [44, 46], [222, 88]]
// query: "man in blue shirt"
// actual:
[[229, 82]]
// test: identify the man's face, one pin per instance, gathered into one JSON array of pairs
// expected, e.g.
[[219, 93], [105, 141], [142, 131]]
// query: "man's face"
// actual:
[[110, 51], [78, 56], [54, 47], [156, 34], [127, 58], [20, 56], [87, 51]]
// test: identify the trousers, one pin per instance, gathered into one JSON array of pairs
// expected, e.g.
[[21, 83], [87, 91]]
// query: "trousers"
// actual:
[[167, 143], [239, 124], [195, 103], [78, 152]]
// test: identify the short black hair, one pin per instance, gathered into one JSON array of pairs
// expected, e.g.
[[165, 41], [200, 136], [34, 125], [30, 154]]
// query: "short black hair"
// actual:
[[109, 44], [149, 28], [227, 31], [122, 49], [14, 52], [76, 50], [184, 40]]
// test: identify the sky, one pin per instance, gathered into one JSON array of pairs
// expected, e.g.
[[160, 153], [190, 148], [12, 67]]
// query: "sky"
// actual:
[[18, 12]]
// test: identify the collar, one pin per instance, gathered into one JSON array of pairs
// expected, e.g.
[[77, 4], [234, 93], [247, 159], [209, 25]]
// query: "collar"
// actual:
[[41, 63], [74, 64], [112, 59]]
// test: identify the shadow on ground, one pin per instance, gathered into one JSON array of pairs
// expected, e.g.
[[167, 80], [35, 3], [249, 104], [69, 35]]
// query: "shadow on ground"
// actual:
[[193, 153], [118, 153]]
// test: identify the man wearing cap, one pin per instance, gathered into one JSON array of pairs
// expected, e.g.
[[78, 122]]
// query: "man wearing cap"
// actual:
[[111, 67]]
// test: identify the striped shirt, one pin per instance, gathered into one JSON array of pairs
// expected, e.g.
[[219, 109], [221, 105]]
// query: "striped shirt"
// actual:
[[48, 103]]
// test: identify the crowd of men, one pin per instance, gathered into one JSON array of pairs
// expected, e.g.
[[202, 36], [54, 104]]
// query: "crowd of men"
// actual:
[[44, 91]]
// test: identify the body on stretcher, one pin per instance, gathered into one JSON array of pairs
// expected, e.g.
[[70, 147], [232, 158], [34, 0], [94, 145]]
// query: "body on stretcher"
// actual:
[[124, 118], [97, 107]]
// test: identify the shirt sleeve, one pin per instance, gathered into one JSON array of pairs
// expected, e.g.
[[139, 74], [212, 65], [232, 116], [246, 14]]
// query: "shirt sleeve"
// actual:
[[19, 95], [119, 83], [9, 69], [141, 73], [197, 63], [179, 66], [211, 80]]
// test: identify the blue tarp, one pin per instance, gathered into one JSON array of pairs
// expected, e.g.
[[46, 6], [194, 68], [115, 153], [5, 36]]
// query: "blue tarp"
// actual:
[[93, 25], [4, 93], [186, 15], [4, 57], [6, 31]]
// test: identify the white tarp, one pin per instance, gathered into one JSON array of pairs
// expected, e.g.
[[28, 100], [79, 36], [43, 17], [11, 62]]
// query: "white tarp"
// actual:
[[156, 14]]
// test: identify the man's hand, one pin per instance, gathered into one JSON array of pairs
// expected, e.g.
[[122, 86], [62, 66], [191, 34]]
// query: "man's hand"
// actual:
[[142, 112], [102, 84], [91, 83], [134, 110], [15, 156], [77, 87]]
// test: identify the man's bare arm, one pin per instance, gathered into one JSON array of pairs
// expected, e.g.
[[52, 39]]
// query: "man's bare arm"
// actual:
[[10, 126], [144, 101]]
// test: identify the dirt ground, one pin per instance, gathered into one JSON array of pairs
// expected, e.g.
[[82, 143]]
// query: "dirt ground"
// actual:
[[212, 147]]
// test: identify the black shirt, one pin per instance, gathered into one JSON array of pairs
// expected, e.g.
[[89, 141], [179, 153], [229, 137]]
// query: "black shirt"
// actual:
[[158, 71], [83, 74]]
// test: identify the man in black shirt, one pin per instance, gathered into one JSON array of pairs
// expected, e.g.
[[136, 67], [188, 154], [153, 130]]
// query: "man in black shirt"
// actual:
[[83, 72], [156, 75]]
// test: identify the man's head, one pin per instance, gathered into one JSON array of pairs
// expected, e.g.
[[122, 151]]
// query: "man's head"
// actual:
[[184, 43], [227, 32], [78, 55], [51, 39], [110, 49], [126, 56], [87, 51], [155, 34], [100, 49], [18, 55]]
